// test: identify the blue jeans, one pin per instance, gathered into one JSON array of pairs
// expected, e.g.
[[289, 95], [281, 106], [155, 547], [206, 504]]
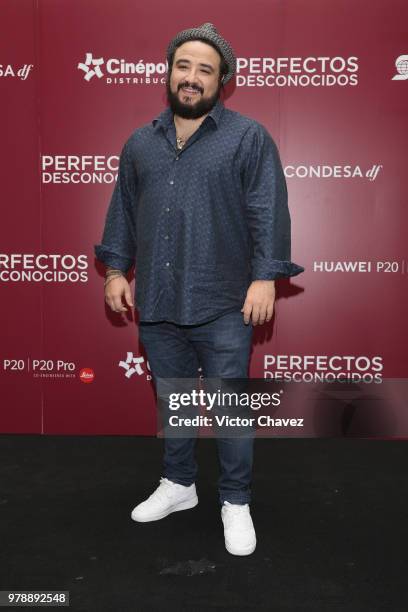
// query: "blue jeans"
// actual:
[[221, 347]]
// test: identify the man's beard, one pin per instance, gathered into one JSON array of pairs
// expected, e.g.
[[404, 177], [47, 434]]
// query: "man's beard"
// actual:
[[190, 111]]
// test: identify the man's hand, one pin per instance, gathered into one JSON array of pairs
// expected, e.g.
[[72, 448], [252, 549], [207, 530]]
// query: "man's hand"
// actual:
[[114, 290], [259, 302]]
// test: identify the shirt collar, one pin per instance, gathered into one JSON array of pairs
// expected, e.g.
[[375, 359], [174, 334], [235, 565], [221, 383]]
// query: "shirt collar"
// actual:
[[166, 116]]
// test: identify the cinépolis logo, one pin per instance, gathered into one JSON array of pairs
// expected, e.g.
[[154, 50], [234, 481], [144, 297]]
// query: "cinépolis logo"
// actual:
[[324, 368], [119, 71], [134, 365], [44, 267], [79, 169]]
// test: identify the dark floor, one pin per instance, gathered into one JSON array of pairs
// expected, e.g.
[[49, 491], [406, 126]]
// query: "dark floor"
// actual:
[[330, 514]]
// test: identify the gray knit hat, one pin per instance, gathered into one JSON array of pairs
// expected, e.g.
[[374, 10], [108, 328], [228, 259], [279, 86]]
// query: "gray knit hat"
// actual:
[[206, 32]]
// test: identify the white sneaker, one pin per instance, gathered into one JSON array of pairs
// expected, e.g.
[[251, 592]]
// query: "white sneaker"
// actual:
[[239, 532], [167, 498]]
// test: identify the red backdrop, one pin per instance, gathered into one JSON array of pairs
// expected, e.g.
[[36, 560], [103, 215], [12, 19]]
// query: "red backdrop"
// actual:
[[330, 83]]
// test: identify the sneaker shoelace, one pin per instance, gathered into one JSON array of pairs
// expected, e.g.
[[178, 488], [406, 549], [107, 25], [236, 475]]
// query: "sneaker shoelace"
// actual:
[[237, 511], [163, 491]]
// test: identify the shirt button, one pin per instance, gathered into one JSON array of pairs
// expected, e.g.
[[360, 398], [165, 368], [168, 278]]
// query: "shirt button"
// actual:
[[167, 209], [166, 237], [171, 182], [176, 158], [167, 263]]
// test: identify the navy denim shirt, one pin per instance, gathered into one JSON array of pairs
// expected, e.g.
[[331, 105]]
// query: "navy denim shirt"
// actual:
[[201, 223]]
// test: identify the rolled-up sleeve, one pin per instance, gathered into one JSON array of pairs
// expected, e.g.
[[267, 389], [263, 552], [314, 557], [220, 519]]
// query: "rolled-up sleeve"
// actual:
[[266, 203], [118, 246]]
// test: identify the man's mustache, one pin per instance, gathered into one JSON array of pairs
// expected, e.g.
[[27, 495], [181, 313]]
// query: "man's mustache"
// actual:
[[199, 89]]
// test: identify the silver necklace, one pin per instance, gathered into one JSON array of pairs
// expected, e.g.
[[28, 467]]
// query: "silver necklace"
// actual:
[[180, 142]]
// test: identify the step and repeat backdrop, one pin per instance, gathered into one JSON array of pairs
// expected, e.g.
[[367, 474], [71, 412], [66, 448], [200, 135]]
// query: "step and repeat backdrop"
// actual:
[[329, 80]]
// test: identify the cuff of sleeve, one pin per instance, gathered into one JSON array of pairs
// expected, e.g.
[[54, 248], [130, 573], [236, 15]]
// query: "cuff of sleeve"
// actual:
[[113, 258], [275, 268]]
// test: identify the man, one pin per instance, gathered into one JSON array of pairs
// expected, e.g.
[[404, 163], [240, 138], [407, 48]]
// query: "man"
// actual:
[[200, 206]]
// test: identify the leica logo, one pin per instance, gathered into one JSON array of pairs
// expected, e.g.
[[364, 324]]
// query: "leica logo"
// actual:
[[86, 375]]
